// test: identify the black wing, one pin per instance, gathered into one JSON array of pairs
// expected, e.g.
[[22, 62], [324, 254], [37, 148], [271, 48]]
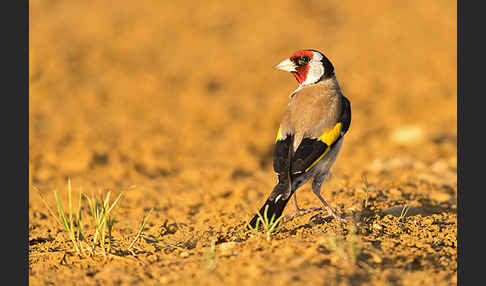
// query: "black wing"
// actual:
[[311, 150], [345, 117], [308, 152]]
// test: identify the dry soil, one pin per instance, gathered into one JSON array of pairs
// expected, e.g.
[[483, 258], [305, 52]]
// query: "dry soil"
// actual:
[[174, 105]]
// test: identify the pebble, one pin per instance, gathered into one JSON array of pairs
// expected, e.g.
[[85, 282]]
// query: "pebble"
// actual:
[[226, 248], [377, 226], [184, 254], [409, 134]]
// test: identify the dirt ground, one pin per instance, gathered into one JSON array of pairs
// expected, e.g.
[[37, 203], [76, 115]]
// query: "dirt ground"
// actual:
[[175, 106]]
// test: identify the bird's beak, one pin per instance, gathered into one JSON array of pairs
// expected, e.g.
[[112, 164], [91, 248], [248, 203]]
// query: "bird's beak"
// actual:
[[286, 65]]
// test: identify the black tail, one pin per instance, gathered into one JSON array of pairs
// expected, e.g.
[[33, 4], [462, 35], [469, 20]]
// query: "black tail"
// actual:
[[273, 209], [276, 202], [281, 193]]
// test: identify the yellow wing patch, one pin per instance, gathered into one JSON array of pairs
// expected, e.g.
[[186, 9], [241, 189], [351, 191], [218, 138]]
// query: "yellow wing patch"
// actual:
[[278, 134], [328, 137], [332, 135]]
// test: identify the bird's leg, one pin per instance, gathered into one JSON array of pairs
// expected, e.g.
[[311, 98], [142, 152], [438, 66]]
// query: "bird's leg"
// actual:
[[303, 211], [298, 211], [296, 206], [316, 188]]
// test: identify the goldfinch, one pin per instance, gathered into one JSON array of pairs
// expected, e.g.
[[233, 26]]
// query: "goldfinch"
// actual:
[[311, 132]]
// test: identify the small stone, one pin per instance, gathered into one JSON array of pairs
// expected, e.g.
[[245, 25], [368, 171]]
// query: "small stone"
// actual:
[[184, 254], [377, 226], [226, 248], [408, 134]]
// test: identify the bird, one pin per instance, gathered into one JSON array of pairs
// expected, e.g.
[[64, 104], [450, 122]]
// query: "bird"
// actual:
[[310, 135]]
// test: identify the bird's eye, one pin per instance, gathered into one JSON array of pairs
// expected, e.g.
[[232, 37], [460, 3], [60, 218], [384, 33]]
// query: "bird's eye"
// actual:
[[303, 60]]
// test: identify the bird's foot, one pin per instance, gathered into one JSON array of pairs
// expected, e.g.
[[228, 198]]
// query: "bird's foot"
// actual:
[[300, 212], [326, 217]]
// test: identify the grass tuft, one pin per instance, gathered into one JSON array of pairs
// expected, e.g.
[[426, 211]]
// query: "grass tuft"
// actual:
[[103, 220], [102, 212], [269, 225], [68, 220]]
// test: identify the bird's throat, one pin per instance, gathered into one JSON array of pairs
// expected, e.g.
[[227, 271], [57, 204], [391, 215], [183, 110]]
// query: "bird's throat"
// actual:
[[301, 74]]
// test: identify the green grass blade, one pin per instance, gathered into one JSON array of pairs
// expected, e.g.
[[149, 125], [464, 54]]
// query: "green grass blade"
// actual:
[[144, 221], [107, 200], [69, 230], [47, 205], [114, 203], [60, 210], [79, 217], [274, 225], [70, 204]]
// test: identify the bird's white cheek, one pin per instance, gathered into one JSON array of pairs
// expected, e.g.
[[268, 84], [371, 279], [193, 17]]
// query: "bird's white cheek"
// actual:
[[314, 74]]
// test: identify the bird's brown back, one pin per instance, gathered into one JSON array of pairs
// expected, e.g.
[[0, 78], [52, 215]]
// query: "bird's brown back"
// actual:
[[312, 111]]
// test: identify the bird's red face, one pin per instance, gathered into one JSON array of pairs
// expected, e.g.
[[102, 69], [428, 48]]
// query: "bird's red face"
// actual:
[[307, 66], [301, 60]]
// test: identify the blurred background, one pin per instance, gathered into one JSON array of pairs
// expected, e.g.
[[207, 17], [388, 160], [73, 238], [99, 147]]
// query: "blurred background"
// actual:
[[175, 105], [126, 91]]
